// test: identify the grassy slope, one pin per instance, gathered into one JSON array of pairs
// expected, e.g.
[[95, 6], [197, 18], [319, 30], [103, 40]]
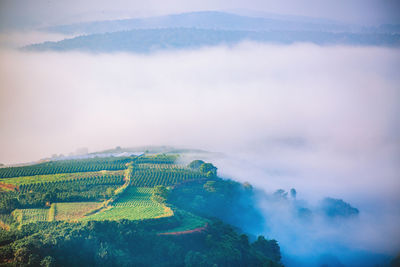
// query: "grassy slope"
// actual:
[[134, 204], [188, 221]]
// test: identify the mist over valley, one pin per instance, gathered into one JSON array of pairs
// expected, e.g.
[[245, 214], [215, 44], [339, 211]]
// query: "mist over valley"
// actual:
[[283, 126]]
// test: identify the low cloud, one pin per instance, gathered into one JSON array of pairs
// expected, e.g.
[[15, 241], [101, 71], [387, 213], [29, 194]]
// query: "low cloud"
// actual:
[[321, 119]]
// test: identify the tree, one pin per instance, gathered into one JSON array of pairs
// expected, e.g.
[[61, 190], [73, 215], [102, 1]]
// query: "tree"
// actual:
[[247, 186], [333, 207], [208, 169], [22, 255], [268, 248], [280, 193], [110, 192], [160, 193], [193, 259], [195, 164], [210, 186], [48, 261], [293, 193], [9, 204]]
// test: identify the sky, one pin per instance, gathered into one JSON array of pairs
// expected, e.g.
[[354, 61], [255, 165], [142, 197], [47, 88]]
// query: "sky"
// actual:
[[40, 13]]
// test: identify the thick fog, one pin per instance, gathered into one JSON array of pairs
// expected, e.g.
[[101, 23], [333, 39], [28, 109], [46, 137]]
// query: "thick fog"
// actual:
[[323, 120]]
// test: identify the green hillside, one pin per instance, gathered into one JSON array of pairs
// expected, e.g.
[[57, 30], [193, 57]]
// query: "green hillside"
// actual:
[[55, 198]]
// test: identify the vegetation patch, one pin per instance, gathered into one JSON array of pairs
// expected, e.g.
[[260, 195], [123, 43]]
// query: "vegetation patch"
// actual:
[[134, 211], [188, 223], [49, 178], [24, 216], [150, 177], [71, 211], [67, 166], [134, 204]]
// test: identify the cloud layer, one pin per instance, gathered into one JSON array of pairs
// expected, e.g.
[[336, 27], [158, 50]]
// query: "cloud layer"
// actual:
[[321, 119]]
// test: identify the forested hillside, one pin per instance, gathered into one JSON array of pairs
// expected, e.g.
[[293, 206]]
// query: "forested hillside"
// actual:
[[141, 211]]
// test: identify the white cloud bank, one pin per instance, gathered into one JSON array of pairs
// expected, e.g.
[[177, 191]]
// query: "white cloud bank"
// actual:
[[321, 119]]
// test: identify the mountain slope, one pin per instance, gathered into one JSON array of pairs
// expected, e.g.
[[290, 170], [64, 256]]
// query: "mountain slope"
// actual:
[[149, 40], [203, 20]]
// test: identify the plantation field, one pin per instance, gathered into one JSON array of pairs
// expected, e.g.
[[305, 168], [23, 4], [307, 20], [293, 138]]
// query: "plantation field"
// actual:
[[150, 177], [157, 159], [24, 216], [67, 166], [135, 196], [134, 204], [107, 189], [37, 179], [130, 213], [6, 220], [71, 211], [159, 166], [84, 184]]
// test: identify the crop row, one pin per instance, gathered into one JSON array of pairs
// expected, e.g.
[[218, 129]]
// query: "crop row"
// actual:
[[136, 196], [131, 213], [95, 180], [134, 204], [6, 218], [67, 166], [159, 166], [166, 177], [17, 181], [30, 215], [156, 159]]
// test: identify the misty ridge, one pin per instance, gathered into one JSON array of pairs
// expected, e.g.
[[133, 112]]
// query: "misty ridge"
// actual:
[[306, 111], [200, 29]]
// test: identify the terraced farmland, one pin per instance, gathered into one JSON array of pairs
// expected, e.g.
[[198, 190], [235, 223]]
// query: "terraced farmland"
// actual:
[[134, 204]]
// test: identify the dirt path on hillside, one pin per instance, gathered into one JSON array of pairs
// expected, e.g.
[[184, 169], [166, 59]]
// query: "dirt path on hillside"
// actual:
[[196, 230]]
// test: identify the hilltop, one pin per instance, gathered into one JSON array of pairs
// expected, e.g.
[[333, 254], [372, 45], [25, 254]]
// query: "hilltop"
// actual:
[[124, 211]]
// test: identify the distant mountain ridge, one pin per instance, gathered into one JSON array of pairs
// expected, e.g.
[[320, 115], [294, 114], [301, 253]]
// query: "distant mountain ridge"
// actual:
[[210, 28], [150, 40], [212, 20]]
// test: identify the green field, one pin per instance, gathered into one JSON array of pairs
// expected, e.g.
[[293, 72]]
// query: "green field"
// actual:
[[188, 221], [134, 204], [24, 216], [150, 177], [71, 211], [130, 197], [37, 179], [67, 166]]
